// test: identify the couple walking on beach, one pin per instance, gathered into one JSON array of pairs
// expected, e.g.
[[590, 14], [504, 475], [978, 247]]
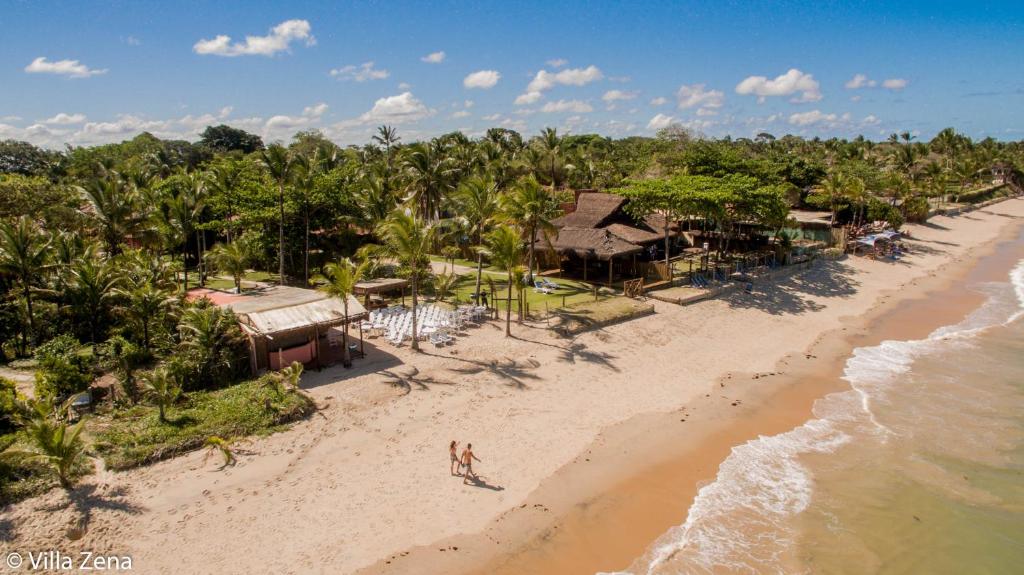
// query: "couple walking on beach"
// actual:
[[465, 460]]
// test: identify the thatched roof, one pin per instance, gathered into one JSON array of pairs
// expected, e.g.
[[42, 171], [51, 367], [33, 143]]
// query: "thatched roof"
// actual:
[[379, 285], [599, 244], [592, 210], [634, 235]]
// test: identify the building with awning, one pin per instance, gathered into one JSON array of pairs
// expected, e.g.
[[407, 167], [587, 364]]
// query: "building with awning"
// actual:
[[286, 324]]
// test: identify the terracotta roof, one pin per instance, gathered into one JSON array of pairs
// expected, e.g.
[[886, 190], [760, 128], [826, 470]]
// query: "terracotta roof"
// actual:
[[592, 209], [599, 244], [633, 234]]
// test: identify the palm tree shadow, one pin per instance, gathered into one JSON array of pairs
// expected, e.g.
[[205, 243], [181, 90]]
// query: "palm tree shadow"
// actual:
[[512, 371], [479, 481], [577, 351], [6, 529], [411, 380], [85, 499]]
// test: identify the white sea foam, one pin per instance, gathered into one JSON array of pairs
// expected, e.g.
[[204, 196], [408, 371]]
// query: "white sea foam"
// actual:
[[741, 521]]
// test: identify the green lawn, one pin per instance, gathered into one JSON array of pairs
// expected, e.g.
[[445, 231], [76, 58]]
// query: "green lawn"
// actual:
[[226, 283], [459, 262], [135, 436], [569, 292], [583, 316]]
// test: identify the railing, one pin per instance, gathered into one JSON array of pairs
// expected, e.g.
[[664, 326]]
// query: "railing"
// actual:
[[633, 288]]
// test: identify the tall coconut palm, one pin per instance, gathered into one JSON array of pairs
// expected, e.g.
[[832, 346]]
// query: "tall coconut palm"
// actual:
[[308, 170], [388, 137], [429, 179], [408, 240], [232, 259], [505, 249], [343, 277], [280, 163], [111, 201], [225, 179], [24, 257], [533, 209], [162, 388], [478, 206], [551, 144], [180, 215]]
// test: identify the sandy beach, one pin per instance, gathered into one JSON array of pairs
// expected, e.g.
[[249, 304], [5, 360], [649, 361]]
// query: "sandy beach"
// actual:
[[364, 484]]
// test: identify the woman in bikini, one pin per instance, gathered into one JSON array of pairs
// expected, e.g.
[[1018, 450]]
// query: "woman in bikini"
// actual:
[[453, 452]]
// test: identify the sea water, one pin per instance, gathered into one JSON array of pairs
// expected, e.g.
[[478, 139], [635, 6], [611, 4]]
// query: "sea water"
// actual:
[[918, 468]]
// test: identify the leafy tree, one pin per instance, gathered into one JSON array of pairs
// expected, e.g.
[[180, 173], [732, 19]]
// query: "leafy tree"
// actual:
[[224, 138], [668, 199], [62, 371], [91, 288], [23, 158]]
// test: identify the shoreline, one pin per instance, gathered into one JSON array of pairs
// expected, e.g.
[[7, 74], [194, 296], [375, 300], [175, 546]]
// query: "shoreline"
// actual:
[[645, 472]]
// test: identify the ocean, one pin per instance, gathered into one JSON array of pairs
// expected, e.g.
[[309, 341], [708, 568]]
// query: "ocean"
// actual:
[[918, 467]]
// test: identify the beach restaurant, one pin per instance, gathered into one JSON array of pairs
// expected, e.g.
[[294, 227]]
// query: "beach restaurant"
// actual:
[[287, 324]]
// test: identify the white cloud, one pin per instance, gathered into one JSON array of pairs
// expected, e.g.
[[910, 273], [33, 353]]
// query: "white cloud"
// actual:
[[397, 109], [460, 114], [69, 68], [527, 98], [870, 120], [63, 119], [575, 106], [812, 117], [659, 101], [706, 112], [792, 82], [434, 57], [660, 122], [404, 86], [493, 117], [696, 96], [616, 95], [467, 104], [484, 79], [279, 40], [362, 73], [315, 111], [860, 81], [894, 84], [225, 111], [557, 62], [132, 41], [545, 80]]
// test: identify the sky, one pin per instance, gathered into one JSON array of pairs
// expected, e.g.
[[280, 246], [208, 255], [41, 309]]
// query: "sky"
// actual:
[[85, 73]]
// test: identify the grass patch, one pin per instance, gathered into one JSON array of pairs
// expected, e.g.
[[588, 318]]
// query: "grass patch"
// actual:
[[584, 316], [459, 262], [569, 292], [135, 436]]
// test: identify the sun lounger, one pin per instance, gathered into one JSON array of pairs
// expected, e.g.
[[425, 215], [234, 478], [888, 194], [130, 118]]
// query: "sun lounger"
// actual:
[[539, 287]]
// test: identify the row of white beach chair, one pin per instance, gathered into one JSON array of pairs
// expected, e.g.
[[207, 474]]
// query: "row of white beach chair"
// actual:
[[432, 322]]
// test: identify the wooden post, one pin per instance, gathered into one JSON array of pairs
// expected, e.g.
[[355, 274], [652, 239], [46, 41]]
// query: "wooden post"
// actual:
[[361, 351], [316, 334]]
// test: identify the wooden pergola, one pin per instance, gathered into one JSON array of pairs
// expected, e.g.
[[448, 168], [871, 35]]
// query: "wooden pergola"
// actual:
[[379, 286]]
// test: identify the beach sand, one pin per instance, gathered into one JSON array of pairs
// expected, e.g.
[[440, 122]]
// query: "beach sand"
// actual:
[[364, 484]]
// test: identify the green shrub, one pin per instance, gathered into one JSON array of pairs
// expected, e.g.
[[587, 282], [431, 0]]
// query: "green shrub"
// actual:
[[62, 370], [916, 209], [879, 210], [8, 406]]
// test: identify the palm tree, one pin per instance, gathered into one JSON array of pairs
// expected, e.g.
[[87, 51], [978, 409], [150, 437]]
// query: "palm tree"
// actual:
[[343, 277], [834, 190], [181, 210], [206, 332], [387, 137], [279, 162], [551, 145], [505, 249], [54, 443], [533, 209], [162, 388], [429, 179], [408, 240], [24, 251], [232, 259], [112, 206], [226, 176], [478, 205], [91, 287]]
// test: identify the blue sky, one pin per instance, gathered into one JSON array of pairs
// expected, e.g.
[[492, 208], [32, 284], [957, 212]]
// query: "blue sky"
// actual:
[[93, 72]]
